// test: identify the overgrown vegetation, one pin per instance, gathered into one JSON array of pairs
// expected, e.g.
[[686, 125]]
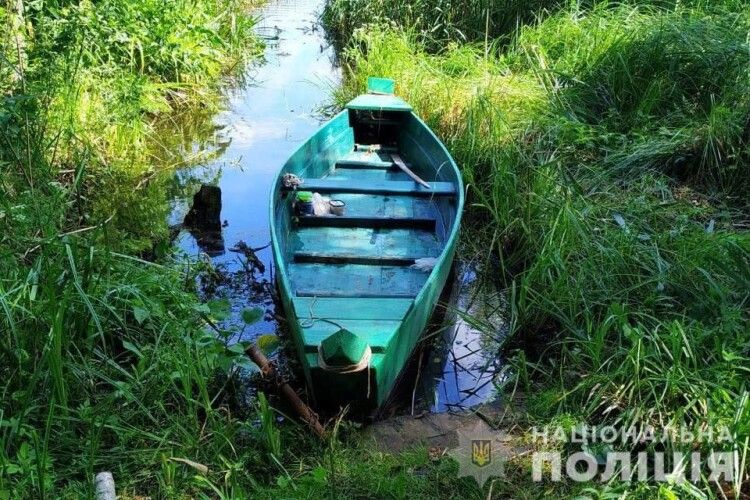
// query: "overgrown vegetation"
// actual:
[[103, 364], [606, 143], [105, 359], [608, 146], [435, 22]]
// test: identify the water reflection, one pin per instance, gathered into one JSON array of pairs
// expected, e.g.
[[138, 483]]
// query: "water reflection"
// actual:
[[465, 366], [457, 366], [268, 114]]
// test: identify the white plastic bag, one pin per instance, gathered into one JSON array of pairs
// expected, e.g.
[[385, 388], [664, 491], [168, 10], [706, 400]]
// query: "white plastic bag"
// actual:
[[425, 264], [321, 205]]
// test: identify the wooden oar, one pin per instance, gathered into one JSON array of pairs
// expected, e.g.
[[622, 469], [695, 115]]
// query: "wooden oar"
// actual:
[[400, 164]]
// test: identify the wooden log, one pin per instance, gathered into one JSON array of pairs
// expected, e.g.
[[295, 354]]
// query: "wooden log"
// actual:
[[268, 372]]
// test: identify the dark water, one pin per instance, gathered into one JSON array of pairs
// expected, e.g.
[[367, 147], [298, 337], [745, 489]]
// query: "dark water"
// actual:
[[273, 109]]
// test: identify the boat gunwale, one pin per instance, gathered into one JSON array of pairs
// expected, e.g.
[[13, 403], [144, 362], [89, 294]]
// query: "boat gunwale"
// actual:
[[278, 257]]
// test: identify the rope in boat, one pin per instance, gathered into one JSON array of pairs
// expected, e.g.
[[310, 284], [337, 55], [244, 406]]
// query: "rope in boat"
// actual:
[[310, 321], [353, 368], [362, 364]]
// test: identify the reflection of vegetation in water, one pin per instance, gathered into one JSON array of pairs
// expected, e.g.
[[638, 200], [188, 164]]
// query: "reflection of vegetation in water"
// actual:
[[464, 365], [607, 146], [106, 75]]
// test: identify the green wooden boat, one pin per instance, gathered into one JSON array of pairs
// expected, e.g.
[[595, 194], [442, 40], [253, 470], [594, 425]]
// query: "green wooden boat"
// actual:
[[359, 288]]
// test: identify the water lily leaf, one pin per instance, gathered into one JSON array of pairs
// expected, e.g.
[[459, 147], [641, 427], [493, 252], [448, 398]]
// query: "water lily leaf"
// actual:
[[251, 316], [267, 343], [220, 308]]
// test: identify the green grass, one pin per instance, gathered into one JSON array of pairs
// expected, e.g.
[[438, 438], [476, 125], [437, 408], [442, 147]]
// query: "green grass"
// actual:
[[438, 23], [97, 78], [607, 146], [435, 22], [103, 362]]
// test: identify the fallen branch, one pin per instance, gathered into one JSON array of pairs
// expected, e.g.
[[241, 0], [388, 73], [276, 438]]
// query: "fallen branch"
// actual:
[[269, 372]]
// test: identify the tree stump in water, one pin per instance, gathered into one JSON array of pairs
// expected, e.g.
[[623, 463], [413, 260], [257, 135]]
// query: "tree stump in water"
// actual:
[[205, 214], [204, 220]]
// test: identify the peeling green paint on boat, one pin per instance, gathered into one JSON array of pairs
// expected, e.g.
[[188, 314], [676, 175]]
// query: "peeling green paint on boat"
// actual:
[[355, 274]]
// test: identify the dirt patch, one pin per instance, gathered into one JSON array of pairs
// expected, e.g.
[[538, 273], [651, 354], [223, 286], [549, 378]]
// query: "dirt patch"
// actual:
[[433, 430]]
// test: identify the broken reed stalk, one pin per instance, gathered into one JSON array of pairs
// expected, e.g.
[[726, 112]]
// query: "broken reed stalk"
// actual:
[[269, 372]]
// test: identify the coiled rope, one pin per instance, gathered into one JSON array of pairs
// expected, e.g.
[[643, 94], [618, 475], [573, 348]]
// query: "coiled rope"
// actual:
[[362, 364]]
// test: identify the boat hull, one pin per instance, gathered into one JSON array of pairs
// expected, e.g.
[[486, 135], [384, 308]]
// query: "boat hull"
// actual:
[[367, 390], [353, 273]]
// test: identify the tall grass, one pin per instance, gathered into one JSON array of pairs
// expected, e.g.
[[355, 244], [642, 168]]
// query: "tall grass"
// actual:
[[435, 22], [104, 364], [606, 145]]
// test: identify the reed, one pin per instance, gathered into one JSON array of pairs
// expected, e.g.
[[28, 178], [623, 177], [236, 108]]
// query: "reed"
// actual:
[[605, 143]]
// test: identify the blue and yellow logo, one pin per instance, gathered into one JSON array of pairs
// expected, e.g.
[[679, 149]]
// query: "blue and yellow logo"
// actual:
[[481, 452]]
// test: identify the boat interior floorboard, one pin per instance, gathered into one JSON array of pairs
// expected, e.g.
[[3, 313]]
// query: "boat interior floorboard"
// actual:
[[333, 308], [378, 205], [370, 159], [390, 221], [362, 175], [355, 280], [405, 244], [377, 333]]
